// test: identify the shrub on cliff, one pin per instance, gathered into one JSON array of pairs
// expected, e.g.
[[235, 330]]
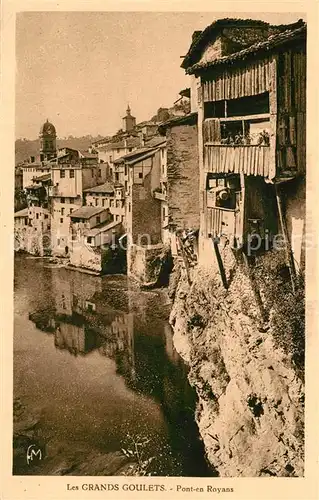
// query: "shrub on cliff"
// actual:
[[286, 311]]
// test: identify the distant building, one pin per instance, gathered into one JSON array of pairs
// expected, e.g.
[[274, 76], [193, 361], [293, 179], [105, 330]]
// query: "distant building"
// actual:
[[94, 237], [48, 147], [72, 172], [129, 121]]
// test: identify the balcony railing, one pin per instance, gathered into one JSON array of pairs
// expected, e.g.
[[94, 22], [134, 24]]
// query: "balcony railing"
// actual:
[[249, 159]]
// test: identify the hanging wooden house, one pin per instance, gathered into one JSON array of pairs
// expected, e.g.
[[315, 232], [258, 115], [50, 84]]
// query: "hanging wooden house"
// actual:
[[251, 121]]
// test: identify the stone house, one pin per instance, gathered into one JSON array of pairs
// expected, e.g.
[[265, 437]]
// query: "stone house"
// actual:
[[93, 234], [180, 177]]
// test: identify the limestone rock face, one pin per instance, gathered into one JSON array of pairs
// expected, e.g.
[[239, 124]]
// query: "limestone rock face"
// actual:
[[250, 409]]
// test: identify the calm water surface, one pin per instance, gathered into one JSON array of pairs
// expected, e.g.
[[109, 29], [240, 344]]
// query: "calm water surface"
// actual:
[[95, 362]]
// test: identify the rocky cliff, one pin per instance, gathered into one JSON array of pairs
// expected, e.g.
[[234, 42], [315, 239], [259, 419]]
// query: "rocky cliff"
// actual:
[[244, 346]]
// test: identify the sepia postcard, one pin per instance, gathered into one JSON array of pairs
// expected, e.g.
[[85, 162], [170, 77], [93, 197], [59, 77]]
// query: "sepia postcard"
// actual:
[[159, 250]]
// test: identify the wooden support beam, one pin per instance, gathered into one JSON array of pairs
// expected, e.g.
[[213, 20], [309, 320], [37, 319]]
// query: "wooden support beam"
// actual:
[[185, 260], [288, 249], [220, 263]]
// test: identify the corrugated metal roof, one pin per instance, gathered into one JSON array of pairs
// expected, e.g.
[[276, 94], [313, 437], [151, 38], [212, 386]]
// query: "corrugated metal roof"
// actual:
[[86, 212]]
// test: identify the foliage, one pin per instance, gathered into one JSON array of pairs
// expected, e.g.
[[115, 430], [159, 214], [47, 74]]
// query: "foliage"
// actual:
[[286, 311]]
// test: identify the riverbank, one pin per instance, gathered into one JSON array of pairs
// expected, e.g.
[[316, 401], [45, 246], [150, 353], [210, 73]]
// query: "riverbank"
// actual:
[[250, 409]]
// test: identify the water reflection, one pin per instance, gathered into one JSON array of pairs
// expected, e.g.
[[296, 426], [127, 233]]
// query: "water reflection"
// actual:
[[87, 314]]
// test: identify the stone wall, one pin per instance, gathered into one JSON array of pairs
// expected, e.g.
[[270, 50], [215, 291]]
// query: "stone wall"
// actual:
[[146, 213], [183, 176], [86, 257], [144, 263]]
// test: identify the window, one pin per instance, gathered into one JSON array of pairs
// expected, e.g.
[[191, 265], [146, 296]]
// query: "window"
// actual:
[[100, 172], [49, 227], [96, 202], [111, 159], [92, 172], [140, 175], [37, 216], [117, 218], [98, 219], [129, 207], [117, 176], [112, 203], [104, 202], [62, 200], [46, 216], [26, 221], [130, 149], [61, 220], [62, 211], [125, 169], [117, 150], [71, 210], [62, 174], [89, 240], [72, 173], [58, 242]]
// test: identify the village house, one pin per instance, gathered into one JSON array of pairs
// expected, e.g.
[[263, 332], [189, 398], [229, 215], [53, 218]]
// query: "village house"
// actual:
[[41, 164], [251, 96], [180, 179], [109, 195], [94, 236], [143, 221], [72, 172], [33, 224]]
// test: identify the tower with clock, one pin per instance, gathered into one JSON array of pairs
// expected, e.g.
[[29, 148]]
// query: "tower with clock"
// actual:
[[47, 141]]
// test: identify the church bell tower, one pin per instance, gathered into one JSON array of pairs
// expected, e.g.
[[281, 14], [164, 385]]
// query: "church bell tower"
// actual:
[[47, 141]]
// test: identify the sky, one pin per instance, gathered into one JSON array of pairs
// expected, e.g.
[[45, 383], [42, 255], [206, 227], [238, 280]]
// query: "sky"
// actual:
[[81, 69]]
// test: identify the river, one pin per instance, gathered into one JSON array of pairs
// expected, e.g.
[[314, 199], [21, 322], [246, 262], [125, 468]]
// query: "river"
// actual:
[[98, 384]]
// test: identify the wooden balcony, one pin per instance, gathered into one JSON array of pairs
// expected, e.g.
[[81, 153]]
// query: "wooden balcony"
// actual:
[[249, 159]]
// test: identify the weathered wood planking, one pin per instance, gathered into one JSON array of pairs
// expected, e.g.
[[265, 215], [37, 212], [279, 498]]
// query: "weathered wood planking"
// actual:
[[251, 160], [291, 119], [251, 79], [214, 222]]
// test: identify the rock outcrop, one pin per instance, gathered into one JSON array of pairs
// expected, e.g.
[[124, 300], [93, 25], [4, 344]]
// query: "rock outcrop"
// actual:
[[250, 391]]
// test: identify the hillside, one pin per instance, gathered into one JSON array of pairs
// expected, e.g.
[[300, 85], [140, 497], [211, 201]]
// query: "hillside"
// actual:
[[25, 148]]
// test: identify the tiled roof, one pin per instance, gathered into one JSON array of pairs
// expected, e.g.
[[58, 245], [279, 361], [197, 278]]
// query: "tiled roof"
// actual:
[[86, 212], [107, 187], [133, 154], [42, 178], [106, 226], [132, 142], [190, 119], [154, 142], [146, 155], [201, 38], [86, 154], [22, 213], [267, 45]]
